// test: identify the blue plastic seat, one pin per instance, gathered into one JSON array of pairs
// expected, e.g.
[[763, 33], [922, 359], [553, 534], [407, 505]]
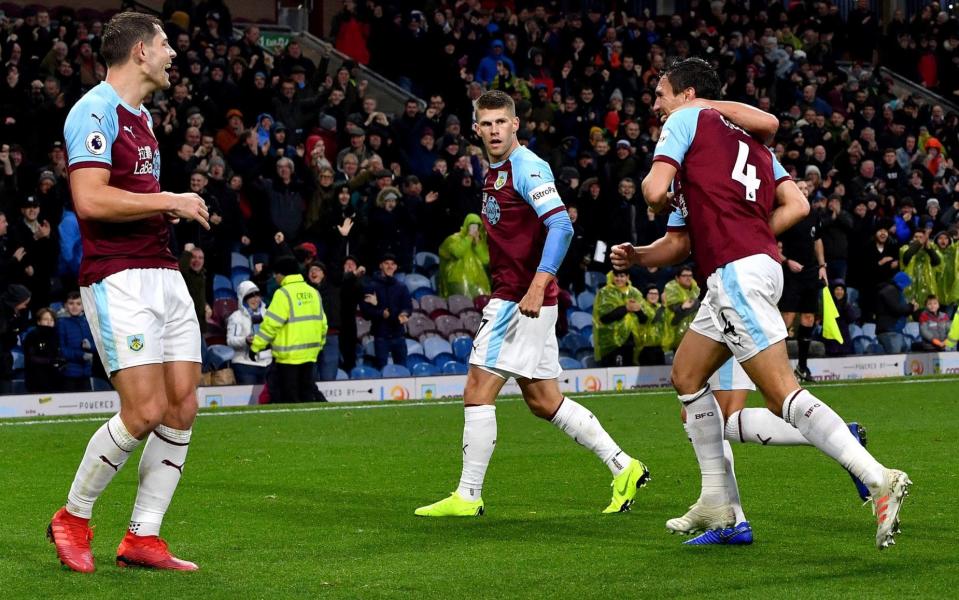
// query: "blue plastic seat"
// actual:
[[572, 342], [238, 260], [453, 367], [364, 372], [585, 300], [220, 355], [462, 347], [341, 375], [220, 281], [395, 371], [442, 358], [595, 280], [413, 347], [425, 370], [420, 292], [416, 359], [580, 319], [568, 362], [426, 262], [414, 281], [434, 346]]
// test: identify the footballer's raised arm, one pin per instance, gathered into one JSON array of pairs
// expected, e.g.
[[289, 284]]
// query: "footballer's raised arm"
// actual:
[[757, 122], [791, 204], [674, 140]]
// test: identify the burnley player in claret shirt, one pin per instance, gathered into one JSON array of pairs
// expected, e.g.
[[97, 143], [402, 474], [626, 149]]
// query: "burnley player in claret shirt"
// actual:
[[140, 312], [528, 231]]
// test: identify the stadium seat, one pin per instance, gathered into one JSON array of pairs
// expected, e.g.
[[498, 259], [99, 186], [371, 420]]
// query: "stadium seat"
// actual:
[[447, 324], [56, 307], [400, 277], [452, 367], [368, 348], [395, 371], [430, 333], [100, 385], [580, 319], [17, 359], [415, 302], [442, 358], [855, 331], [413, 347], [458, 303], [220, 355], [414, 281], [471, 320], [587, 332], [439, 312], [480, 302], [415, 359], [852, 295], [462, 347], [572, 342], [418, 325], [869, 330], [595, 280], [432, 303], [223, 308], [912, 330], [434, 346], [224, 294], [238, 260], [425, 370], [239, 276], [221, 281], [364, 372], [419, 292], [426, 263], [568, 362], [342, 375], [584, 300], [589, 362]]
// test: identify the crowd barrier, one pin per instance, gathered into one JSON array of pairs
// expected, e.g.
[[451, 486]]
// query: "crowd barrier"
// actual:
[[617, 379]]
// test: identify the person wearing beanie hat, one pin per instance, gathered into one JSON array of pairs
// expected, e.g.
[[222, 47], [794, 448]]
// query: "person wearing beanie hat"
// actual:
[[294, 327], [241, 327]]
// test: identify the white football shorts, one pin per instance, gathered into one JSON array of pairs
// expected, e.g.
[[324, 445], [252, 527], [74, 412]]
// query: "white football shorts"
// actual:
[[729, 377], [141, 317], [509, 344], [740, 307]]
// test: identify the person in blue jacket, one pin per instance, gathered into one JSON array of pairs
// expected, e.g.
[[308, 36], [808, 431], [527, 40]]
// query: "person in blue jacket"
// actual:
[[76, 345]]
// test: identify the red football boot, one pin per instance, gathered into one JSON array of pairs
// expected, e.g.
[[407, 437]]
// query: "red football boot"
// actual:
[[71, 535], [151, 552]]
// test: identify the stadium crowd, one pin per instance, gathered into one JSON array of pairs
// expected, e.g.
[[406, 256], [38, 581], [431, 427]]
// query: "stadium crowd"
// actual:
[[297, 159]]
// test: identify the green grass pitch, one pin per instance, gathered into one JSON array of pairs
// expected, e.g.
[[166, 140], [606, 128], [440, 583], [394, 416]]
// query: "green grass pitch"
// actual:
[[319, 504]]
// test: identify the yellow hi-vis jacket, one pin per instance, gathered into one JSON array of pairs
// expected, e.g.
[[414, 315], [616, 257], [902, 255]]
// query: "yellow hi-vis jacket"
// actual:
[[294, 324]]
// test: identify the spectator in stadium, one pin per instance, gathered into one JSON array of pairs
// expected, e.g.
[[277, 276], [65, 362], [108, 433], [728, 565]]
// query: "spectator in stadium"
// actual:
[[285, 196], [392, 228], [654, 331], [388, 306], [464, 260], [947, 280], [933, 326], [920, 260], [13, 322], [296, 331], [330, 294], [241, 327], [351, 294], [192, 267], [42, 362], [229, 135], [616, 328], [891, 312], [41, 250], [837, 224], [76, 345], [681, 297]]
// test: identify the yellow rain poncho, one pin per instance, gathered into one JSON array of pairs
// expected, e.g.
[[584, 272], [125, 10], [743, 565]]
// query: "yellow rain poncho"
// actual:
[[674, 294], [464, 260], [608, 337]]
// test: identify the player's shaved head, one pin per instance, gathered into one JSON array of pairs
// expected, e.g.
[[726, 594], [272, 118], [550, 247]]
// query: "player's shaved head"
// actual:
[[694, 73], [496, 99], [123, 31]]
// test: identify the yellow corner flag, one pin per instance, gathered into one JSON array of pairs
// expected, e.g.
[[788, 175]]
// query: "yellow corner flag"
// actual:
[[830, 329]]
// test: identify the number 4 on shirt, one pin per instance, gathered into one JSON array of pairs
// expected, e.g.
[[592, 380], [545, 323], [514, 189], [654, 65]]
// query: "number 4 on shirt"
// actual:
[[745, 173]]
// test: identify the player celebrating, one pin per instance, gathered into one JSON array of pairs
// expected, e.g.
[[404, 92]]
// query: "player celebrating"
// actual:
[[140, 312], [727, 185], [528, 231]]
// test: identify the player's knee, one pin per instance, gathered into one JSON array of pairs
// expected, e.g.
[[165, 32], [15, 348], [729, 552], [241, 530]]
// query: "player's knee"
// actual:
[[145, 417], [683, 381], [544, 408]]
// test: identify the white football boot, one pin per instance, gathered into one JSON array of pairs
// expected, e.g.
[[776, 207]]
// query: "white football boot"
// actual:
[[703, 518], [886, 503]]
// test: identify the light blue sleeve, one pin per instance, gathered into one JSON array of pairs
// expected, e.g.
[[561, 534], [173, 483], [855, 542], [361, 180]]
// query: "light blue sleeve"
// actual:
[[779, 171], [677, 135], [533, 180], [559, 232], [89, 131], [676, 220]]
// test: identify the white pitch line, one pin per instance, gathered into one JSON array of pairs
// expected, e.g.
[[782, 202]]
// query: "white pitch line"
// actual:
[[400, 404]]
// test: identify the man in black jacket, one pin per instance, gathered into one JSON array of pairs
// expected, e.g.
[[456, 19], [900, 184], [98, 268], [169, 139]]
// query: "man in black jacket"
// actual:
[[13, 320], [388, 306], [891, 306]]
